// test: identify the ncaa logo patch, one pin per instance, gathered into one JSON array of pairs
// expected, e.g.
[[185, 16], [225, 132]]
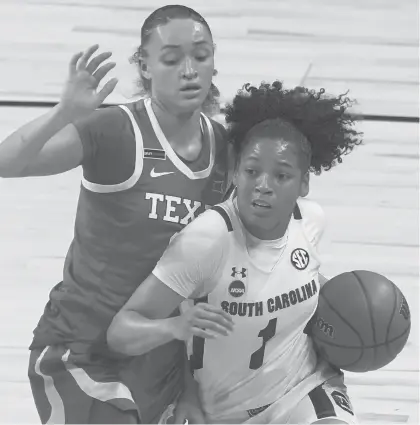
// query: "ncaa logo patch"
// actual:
[[299, 258], [236, 289], [342, 401]]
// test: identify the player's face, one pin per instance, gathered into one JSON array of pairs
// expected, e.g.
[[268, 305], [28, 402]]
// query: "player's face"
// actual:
[[180, 64], [269, 181]]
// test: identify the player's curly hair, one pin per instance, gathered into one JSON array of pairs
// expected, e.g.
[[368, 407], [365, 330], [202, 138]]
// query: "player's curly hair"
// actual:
[[321, 119]]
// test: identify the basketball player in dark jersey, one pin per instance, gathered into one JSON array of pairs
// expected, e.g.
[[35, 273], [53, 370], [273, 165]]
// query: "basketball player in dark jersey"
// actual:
[[149, 168]]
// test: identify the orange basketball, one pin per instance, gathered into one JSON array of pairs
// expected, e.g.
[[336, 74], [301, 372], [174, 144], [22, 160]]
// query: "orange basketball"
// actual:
[[362, 322]]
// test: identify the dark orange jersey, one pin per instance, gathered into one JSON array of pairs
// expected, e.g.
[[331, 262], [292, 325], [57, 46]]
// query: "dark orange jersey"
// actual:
[[136, 193]]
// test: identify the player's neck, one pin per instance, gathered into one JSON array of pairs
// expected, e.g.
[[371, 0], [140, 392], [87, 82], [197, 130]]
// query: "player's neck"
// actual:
[[172, 123], [183, 131]]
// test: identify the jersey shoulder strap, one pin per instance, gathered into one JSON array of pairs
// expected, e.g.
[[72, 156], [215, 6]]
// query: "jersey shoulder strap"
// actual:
[[219, 209]]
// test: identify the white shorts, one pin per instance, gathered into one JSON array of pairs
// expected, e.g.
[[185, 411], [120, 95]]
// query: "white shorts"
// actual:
[[328, 400]]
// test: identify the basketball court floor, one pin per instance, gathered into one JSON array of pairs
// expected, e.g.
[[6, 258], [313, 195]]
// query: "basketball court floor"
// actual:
[[371, 200]]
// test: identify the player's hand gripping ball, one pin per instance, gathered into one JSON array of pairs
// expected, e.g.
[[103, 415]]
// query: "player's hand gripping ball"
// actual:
[[362, 322]]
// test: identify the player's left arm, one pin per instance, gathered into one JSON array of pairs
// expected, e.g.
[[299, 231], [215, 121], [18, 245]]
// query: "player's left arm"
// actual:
[[191, 260]]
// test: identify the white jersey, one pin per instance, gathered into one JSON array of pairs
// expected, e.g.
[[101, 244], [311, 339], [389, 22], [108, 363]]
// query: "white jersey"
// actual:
[[270, 298]]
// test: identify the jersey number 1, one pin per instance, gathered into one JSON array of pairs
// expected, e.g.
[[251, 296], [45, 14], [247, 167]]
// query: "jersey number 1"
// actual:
[[266, 334], [196, 358], [257, 357]]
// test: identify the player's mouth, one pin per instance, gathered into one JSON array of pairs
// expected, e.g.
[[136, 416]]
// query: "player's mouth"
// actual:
[[191, 89], [261, 204]]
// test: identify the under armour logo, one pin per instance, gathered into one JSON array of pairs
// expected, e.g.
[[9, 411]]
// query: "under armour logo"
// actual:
[[235, 272]]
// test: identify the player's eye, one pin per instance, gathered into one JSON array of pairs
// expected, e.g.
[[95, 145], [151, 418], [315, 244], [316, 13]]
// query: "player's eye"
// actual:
[[202, 57], [170, 60], [169, 63], [250, 171], [283, 176]]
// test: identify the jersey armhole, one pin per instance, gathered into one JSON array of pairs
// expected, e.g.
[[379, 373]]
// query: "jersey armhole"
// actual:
[[312, 238], [202, 293], [224, 215], [138, 169]]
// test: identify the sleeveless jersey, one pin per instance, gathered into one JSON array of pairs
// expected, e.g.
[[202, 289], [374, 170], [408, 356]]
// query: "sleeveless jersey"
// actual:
[[267, 354], [121, 230]]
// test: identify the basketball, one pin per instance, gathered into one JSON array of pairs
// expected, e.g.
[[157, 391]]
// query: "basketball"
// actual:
[[362, 322]]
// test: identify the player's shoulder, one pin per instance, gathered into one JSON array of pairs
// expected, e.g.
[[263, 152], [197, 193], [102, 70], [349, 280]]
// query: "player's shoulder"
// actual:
[[210, 225], [107, 117], [109, 145], [205, 238], [310, 209], [313, 218], [104, 123]]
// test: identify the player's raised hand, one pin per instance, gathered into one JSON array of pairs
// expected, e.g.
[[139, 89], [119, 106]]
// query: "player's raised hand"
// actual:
[[80, 95], [203, 320]]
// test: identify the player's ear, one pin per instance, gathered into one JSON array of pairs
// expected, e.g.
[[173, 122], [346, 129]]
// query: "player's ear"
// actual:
[[304, 185], [235, 175], [235, 178], [235, 164], [144, 69]]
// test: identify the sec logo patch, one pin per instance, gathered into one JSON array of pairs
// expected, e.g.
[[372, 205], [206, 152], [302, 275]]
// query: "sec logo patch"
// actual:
[[299, 258]]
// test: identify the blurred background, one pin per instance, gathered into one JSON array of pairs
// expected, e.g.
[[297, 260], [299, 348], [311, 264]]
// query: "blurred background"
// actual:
[[369, 47]]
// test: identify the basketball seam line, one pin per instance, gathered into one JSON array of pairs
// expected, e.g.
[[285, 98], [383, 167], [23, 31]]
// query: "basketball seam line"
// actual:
[[363, 346], [348, 324], [392, 318], [342, 318], [370, 309]]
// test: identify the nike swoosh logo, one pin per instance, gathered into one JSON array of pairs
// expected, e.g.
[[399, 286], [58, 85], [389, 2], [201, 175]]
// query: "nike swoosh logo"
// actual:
[[153, 173]]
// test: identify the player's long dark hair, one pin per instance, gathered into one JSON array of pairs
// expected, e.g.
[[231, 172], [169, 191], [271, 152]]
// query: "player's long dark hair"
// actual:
[[321, 119], [162, 16]]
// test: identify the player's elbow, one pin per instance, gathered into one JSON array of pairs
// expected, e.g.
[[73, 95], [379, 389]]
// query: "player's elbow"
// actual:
[[117, 336]]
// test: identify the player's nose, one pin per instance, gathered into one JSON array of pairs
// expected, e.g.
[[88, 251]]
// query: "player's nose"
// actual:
[[263, 184], [188, 70]]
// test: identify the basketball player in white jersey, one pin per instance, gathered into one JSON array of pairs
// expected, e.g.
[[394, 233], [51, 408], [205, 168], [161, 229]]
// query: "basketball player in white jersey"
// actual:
[[250, 269]]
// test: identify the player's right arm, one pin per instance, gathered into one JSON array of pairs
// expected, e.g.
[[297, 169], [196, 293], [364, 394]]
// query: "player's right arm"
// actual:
[[51, 143], [187, 270]]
